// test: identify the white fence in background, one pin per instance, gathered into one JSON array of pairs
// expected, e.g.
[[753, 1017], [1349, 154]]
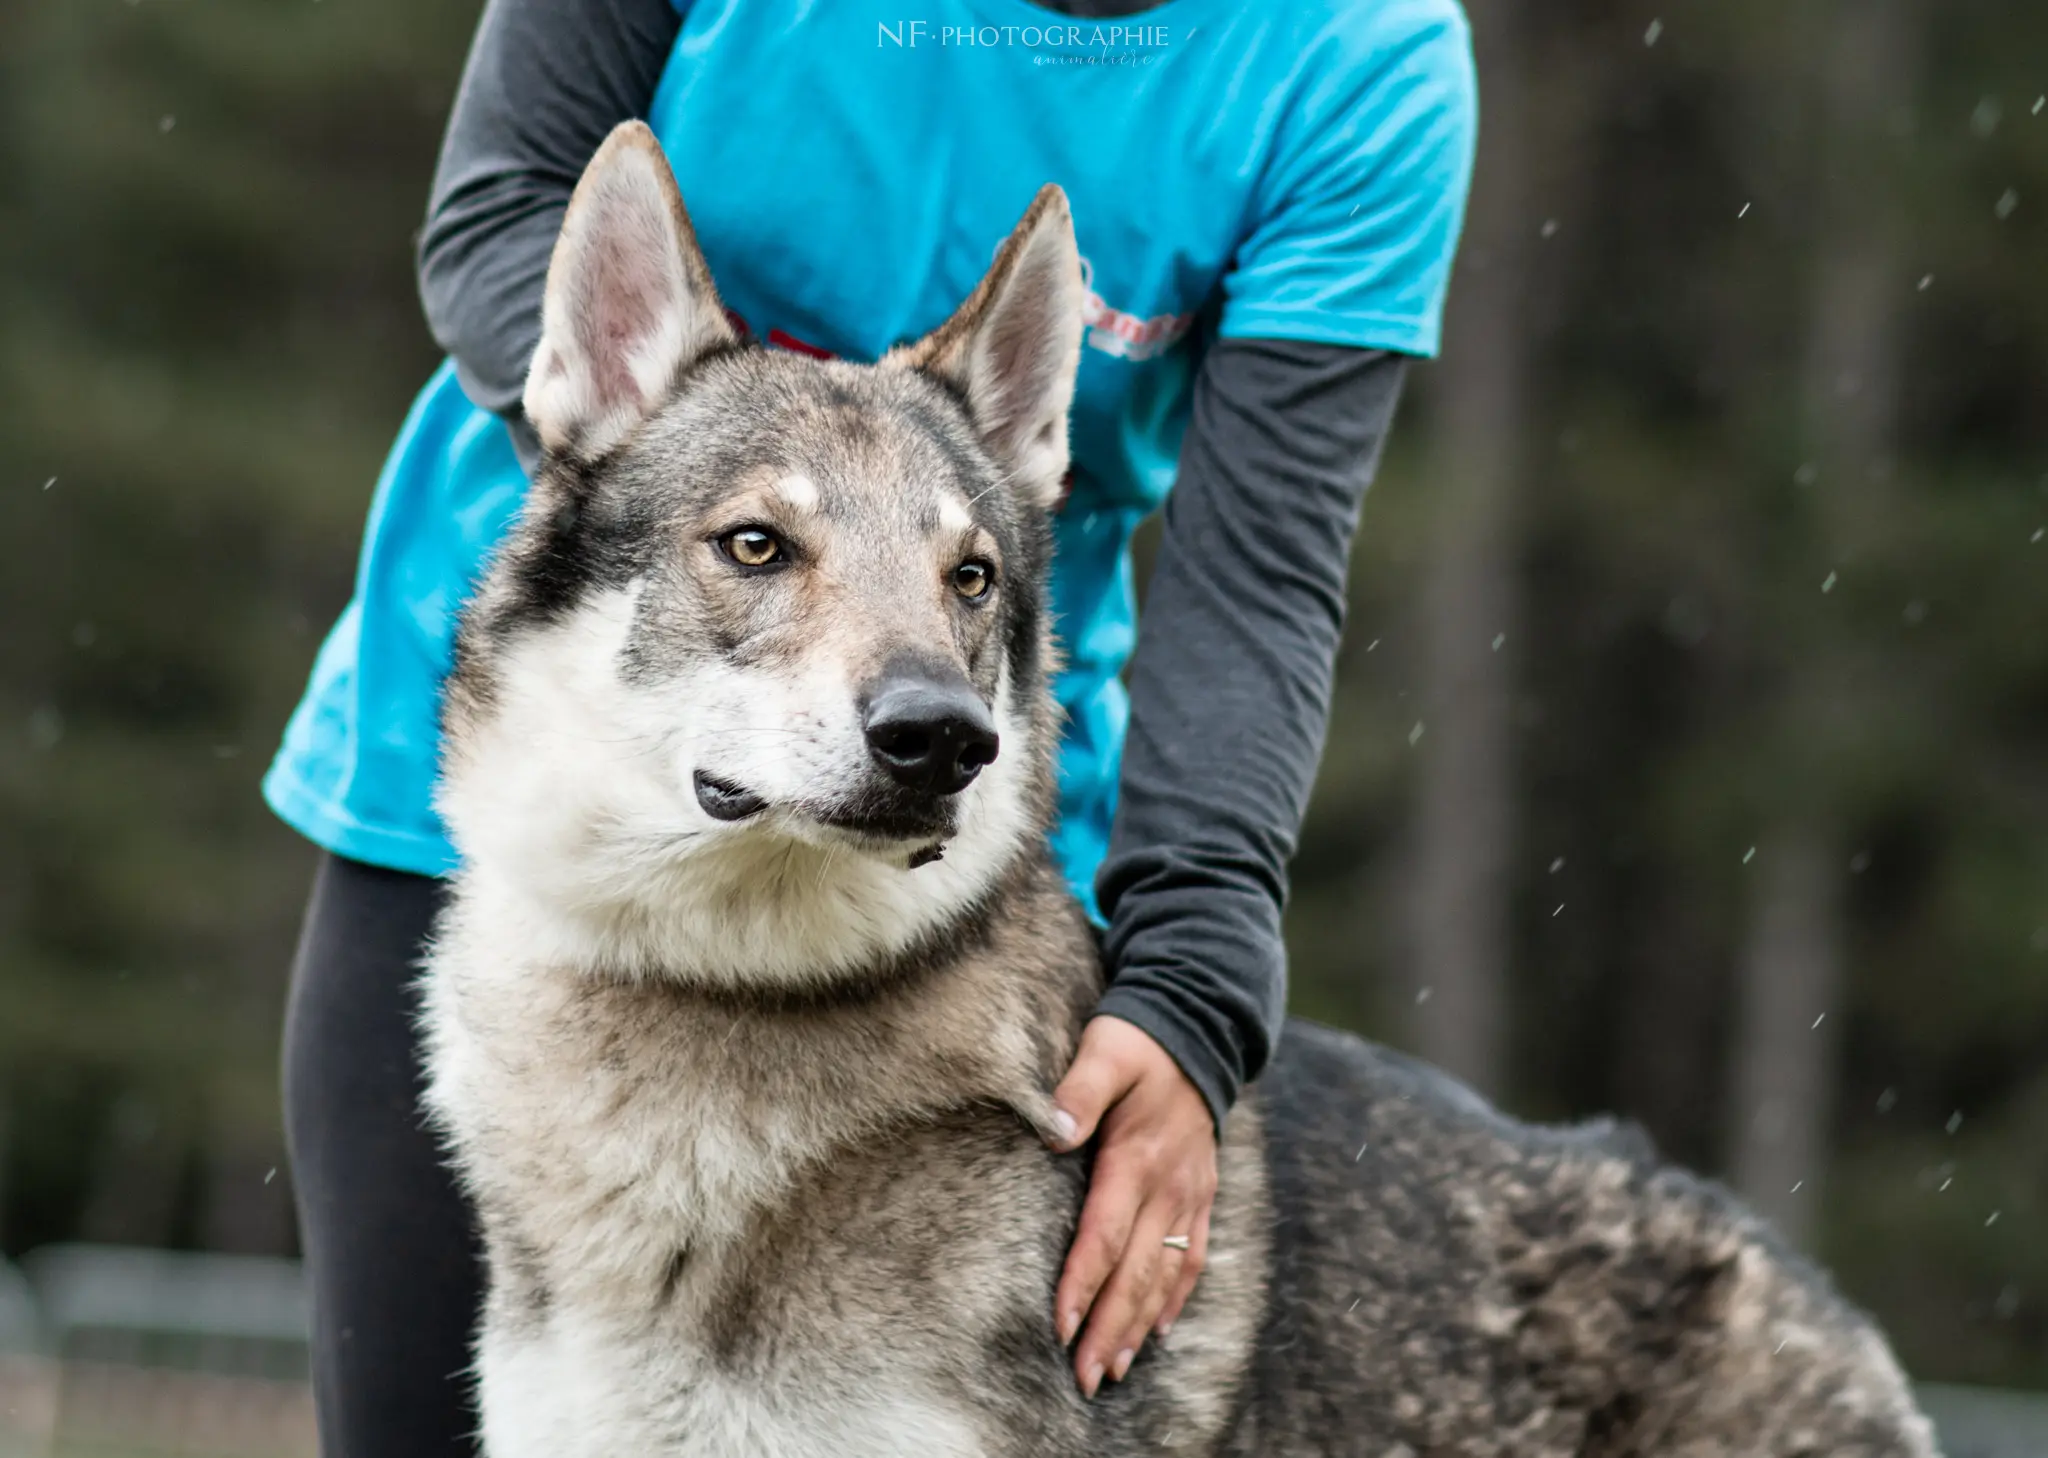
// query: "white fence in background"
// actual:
[[1978, 1422], [148, 1354]]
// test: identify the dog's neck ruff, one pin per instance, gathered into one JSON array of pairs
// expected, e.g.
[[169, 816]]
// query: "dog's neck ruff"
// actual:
[[787, 919]]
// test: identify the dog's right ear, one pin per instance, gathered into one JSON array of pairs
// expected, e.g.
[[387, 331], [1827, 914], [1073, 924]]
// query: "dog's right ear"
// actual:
[[629, 301], [1013, 349]]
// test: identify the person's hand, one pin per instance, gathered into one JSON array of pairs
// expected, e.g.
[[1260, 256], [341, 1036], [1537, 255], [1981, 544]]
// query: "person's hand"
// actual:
[[1155, 1176]]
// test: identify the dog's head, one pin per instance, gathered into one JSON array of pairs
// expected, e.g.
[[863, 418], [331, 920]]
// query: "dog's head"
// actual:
[[758, 684]]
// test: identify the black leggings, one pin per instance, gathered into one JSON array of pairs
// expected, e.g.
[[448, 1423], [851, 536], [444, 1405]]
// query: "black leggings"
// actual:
[[391, 1249]]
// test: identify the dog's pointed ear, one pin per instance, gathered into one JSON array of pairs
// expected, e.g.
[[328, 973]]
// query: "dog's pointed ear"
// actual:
[[629, 301], [1012, 349]]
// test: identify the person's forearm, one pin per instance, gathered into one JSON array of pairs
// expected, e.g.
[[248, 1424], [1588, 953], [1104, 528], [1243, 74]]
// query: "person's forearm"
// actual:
[[546, 81], [1230, 696]]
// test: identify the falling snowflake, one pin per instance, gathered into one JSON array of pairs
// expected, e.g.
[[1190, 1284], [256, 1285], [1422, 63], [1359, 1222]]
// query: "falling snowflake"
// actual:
[[1829, 585], [2007, 204], [1749, 855], [1415, 734], [1926, 282], [1651, 35]]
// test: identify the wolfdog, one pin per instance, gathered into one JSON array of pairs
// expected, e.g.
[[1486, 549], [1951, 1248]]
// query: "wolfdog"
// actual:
[[757, 974]]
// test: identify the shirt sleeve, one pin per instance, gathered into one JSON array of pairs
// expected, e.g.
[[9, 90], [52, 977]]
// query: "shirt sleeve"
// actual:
[[1357, 218], [545, 83], [1230, 696]]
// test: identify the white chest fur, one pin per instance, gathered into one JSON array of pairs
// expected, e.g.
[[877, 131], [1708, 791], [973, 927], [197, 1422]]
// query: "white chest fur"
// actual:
[[564, 1393]]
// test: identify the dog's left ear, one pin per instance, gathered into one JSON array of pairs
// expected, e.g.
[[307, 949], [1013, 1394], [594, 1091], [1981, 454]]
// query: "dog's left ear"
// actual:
[[1013, 347], [629, 301]]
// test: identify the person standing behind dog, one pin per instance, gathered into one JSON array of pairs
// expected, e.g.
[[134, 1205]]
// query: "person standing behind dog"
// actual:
[[1267, 196]]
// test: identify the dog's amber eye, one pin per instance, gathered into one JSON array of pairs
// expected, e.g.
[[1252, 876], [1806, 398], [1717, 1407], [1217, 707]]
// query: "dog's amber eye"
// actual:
[[973, 578], [751, 547]]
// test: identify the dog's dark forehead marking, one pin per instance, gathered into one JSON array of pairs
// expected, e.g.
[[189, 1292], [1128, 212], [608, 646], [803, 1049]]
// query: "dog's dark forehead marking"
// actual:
[[896, 430], [920, 442]]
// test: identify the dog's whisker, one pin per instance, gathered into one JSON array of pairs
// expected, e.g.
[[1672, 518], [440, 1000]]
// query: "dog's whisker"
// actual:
[[825, 865]]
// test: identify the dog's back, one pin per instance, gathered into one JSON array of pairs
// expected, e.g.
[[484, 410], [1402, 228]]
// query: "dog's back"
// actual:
[[1447, 1280]]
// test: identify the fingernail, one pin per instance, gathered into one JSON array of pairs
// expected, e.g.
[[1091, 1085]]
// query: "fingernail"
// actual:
[[1091, 1378], [1123, 1362], [1070, 1323], [1063, 1124], [1163, 1330]]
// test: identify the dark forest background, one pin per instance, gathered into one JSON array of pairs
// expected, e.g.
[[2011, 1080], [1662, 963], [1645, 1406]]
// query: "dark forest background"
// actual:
[[1691, 757]]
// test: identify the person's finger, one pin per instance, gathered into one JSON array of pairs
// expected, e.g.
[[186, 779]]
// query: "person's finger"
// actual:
[[1109, 1344], [1104, 1231], [1174, 1266], [1094, 1082], [1153, 1296], [1190, 1269]]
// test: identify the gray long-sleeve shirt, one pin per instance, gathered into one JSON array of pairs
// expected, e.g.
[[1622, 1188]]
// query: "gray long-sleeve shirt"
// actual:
[[1230, 684]]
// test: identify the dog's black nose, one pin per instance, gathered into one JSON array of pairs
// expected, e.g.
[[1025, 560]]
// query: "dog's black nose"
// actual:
[[929, 734]]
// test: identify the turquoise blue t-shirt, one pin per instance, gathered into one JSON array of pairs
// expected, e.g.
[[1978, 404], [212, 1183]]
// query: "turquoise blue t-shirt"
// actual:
[[1289, 169]]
